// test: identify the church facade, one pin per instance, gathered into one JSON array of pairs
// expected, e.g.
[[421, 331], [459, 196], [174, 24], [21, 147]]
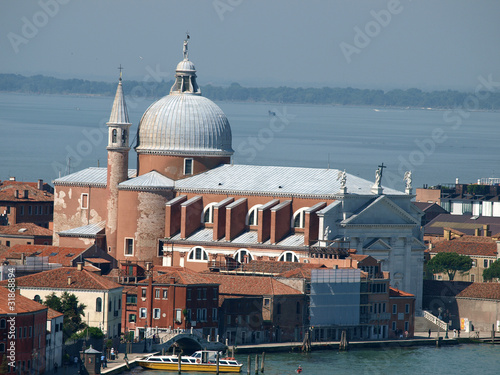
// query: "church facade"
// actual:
[[188, 205]]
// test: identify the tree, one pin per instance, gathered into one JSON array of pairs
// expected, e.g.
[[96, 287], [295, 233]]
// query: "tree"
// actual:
[[73, 311], [449, 263], [492, 272]]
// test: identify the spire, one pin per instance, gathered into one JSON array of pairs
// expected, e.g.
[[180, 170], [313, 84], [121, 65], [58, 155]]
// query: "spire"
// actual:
[[119, 113]]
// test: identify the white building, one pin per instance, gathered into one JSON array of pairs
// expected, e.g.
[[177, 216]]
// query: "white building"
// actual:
[[54, 340]]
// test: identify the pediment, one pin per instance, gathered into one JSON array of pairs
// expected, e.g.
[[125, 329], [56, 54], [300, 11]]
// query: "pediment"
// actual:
[[377, 244], [382, 211]]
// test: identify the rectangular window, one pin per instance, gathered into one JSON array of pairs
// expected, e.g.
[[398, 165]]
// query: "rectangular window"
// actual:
[[157, 293], [46, 210], [178, 316], [131, 299], [188, 166], [22, 211], [394, 309], [383, 307], [132, 318], [8, 210], [215, 294], [129, 246], [84, 201], [30, 210], [7, 243], [204, 293], [143, 292], [188, 295], [407, 308], [266, 301], [393, 326], [407, 326], [199, 294], [165, 293], [143, 312], [472, 278], [214, 314], [228, 319], [30, 331], [156, 313]]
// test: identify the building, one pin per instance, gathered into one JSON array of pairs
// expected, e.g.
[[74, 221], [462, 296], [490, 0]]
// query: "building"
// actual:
[[186, 205], [29, 259], [28, 324], [479, 304], [54, 340], [26, 202], [101, 296], [175, 299], [482, 250], [25, 234], [430, 210], [402, 313]]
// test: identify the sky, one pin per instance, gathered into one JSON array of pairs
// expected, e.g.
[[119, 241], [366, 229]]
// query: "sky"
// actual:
[[386, 44]]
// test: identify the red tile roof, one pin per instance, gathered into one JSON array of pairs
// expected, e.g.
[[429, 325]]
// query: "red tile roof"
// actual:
[[97, 260], [467, 245], [22, 305], [274, 267], [58, 279], [393, 292], [51, 314], [481, 290], [182, 276], [25, 229], [8, 189], [236, 285], [56, 254]]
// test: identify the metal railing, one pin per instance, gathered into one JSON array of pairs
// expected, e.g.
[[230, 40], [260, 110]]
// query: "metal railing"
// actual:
[[434, 319]]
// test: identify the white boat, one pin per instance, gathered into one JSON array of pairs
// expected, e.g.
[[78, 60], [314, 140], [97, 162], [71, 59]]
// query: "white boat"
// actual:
[[201, 361]]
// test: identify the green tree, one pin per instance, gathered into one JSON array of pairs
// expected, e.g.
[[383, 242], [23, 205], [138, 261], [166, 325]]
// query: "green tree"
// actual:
[[73, 312], [449, 263], [492, 272]]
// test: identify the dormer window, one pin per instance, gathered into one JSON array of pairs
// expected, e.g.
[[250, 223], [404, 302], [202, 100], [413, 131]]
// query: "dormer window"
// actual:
[[113, 136]]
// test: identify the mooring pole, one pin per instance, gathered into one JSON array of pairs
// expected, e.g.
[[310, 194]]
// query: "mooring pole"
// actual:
[[249, 365], [262, 362], [217, 363], [179, 363], [256, 364]]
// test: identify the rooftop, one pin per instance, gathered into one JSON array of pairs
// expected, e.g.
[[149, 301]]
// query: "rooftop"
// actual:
[[93, 176], [467, 245], [56, 254], [8, 192], [22, 305], [464, 223], [482, 291], [58, 279], [25, 229]]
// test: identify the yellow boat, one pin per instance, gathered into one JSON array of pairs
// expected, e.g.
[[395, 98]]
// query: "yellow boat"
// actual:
[[201, 361]]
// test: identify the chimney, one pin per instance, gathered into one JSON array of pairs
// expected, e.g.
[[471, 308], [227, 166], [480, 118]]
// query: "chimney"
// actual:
[[40, 184], [69, 280], [447, 234], [431, 246], [26, 194], [172, 280], [12, 179], [486, 230], [477, 232], [16, 194], [79, 266], [148, 266], [456, 181]]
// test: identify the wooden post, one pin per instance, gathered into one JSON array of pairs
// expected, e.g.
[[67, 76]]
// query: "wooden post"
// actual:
[[262, 362], [179, 356], [249, 365], [232, 352], [492, 333], [256, 364], [217, 363]]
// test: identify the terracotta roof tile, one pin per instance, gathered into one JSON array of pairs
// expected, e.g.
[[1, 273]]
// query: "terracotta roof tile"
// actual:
[[182, 276], [58, 279], [467, 245], [23, 304], [8, 189], [56, 254], [481, 290], [51, 314], [25, 229], [274, 267], [393, 292]]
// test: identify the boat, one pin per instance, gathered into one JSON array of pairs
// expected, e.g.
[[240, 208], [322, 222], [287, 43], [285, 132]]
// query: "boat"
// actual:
[[200, 361]]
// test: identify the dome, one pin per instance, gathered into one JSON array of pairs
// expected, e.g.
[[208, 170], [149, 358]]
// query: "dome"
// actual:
[[185, 65], [184, 124]]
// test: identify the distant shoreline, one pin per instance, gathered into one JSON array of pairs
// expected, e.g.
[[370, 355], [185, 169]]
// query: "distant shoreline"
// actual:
[[332, 96]]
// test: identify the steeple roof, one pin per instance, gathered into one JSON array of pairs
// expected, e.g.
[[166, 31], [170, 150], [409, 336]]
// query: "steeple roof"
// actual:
[[119, 113]]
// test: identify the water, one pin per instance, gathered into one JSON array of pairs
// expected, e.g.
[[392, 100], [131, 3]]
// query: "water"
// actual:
[[459, 359], [40, 133]]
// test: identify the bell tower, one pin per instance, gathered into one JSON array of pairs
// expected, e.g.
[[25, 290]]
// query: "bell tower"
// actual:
[[118, 148]]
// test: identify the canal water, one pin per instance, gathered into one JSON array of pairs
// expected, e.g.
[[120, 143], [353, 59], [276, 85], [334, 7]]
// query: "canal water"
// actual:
[[456, 359]]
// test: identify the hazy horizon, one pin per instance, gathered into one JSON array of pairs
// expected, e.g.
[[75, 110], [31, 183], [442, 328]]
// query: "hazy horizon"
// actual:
[[364, 44]]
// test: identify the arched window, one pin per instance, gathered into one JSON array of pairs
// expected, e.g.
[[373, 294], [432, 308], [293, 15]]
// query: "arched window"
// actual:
[[124, 137], [243, 256], [113, 137], [299, 218], [208, 213], [98, 304], [198, 254], [253, 215], [37, 298], [288, 256]]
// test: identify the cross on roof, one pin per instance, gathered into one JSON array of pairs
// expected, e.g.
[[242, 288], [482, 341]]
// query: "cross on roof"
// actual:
[[382, 169], [120, 68]]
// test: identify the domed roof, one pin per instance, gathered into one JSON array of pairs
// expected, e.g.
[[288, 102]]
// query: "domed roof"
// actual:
[[184, 122]]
